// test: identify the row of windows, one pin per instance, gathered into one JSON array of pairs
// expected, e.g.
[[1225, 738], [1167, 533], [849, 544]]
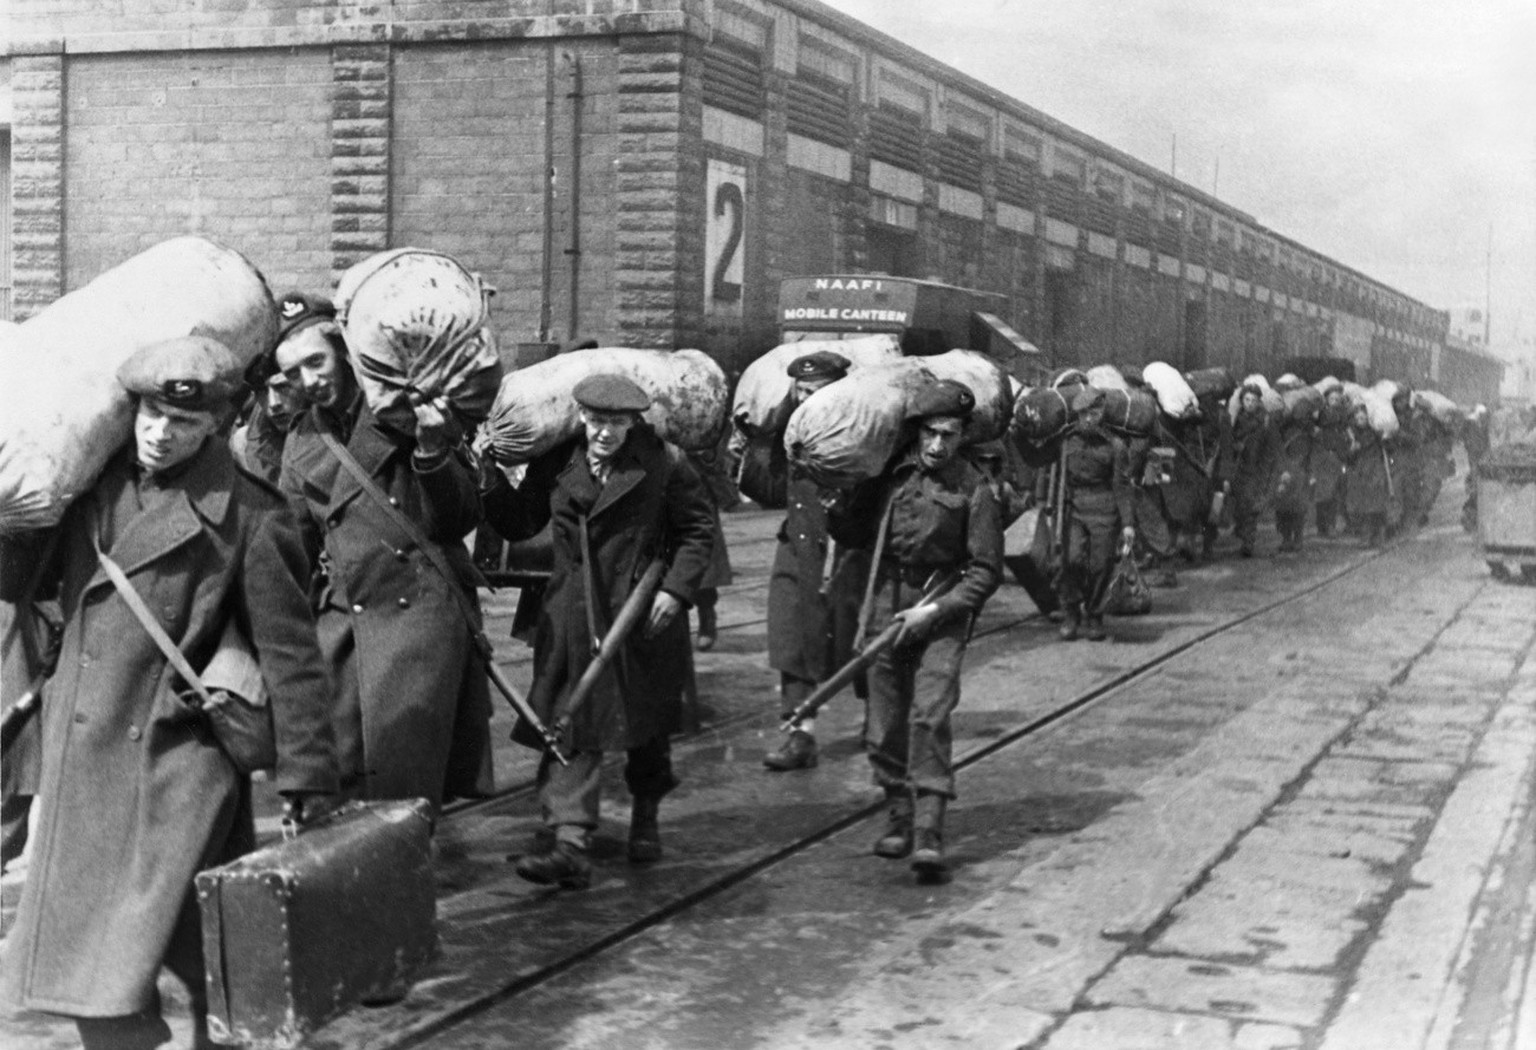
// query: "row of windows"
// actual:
[[819, 103]]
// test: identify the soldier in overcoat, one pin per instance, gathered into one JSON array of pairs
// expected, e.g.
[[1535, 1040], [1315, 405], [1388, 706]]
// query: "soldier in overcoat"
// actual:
[[1293, 482], [815, 584], [619, 497], [929, 517], [1330, 444], [412, 700], [1367, 497], [1254, 469], [136, 795]]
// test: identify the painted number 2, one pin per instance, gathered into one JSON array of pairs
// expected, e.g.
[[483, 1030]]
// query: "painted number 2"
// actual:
[[728, 198]]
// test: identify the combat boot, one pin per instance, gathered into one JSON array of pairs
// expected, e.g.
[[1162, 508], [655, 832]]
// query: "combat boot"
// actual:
[[564, 864], [1071, 616], [928, 838], [644, 834], [1093, 629], [798, 752], [896, 842]]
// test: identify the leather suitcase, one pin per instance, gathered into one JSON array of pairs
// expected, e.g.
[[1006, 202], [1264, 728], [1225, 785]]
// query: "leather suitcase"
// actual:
[[296, 933]]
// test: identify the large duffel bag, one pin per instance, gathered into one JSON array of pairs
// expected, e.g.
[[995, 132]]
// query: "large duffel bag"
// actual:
[[1211, 382], [765, 383], [1174, 394], [417, 327], [1132, 412], [296, 933], [536, 409], [62, 412]]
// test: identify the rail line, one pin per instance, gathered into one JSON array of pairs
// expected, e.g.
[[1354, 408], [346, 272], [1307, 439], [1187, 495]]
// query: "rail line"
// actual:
[[436, 1023]]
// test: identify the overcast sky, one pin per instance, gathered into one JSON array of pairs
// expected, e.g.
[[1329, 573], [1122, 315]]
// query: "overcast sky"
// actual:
[[1388, 134]]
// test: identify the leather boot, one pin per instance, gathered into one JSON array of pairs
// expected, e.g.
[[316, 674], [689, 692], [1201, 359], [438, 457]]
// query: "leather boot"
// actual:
[[928, 837], [644, 835], [896, 842], [1072, 615], [564, 864], [707, 626], [798, 752], [1093, 630]]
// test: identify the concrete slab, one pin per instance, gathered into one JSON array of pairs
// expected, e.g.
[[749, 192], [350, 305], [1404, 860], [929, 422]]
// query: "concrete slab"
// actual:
[[1243, 993], [1125, 1029]]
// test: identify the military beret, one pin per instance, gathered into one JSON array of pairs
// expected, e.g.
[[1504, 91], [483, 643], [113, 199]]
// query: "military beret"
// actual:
[[611, 393], [192, 372], [942, 397], [821, 363], [299, 310], [1088, 397]]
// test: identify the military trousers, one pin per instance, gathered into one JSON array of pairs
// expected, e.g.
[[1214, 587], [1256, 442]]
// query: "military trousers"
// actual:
[[913, 690], [569, 794]]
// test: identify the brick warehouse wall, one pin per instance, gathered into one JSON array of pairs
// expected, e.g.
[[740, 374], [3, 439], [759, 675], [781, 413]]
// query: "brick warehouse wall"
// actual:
[[311, 133]]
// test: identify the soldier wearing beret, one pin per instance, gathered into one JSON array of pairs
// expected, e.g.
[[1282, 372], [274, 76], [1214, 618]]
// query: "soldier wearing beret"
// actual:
[[1255, 465], [815, 583], [136, 795], [277, 403], [618, 498], [412, 704], [931, 518], [1099, 513]]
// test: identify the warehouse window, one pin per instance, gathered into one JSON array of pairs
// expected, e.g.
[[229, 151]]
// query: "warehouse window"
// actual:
[[1226, 233], [1200, 225], [1143, 197], [959, 157], [1068, 167], [818, 108], [1022, 148], [896, 136], [733, 77], [1173, 210], [1109, 185]]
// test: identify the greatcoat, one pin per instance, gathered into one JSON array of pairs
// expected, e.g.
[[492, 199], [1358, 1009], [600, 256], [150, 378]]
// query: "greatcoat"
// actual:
[[652, 505], [1368, 490], [1330, 445], [1294, 457], [383, 607], [136, 795]]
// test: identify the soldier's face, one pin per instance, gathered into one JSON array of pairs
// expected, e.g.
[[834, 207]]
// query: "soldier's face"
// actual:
[[938, 441], [284, 403], [804, 388], [1251, 402], [314, 368], [606, 431], [165, 435]]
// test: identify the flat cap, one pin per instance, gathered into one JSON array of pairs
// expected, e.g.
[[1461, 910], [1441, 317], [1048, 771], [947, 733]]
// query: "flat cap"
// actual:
[[607, 392], [192, 372], [1088, 397], [822, 363], [298, 310], [942, 397]]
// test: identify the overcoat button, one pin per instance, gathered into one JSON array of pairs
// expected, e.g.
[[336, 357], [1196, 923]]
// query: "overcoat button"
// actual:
[[134, 732], [401, 555], [357, 608], [405, 603], [393, 502]]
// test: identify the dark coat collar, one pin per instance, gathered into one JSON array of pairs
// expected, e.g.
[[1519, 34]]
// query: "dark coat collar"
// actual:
[[952, 475], [630, 464]]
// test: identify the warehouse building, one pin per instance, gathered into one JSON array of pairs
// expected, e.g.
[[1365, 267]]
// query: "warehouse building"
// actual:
[[641, 172]]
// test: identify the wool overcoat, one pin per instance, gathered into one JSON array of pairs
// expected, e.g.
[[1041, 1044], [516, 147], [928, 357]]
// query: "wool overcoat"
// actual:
[[652, 505], [1294, 447], [387, 616], [1330, 445], [1255, 461], [1367, 490], [136, 796]]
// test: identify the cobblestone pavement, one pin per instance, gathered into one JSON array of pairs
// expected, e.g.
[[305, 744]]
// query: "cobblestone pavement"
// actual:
[[1312, 828]]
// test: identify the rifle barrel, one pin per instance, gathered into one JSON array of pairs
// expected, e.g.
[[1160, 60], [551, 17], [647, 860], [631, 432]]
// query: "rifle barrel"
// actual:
[[629, 615]]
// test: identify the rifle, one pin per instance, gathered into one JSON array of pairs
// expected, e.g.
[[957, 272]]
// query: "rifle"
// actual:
[[862, 660], [629, 615]]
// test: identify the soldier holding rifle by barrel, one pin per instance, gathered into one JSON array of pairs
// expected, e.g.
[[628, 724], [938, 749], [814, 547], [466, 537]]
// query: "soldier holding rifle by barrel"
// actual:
[[937, 538], [632, 531]]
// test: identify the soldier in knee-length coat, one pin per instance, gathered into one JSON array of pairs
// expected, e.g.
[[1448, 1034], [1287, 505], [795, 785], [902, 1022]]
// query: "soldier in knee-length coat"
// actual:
[[624, 495], [136, 796], [413, 706]]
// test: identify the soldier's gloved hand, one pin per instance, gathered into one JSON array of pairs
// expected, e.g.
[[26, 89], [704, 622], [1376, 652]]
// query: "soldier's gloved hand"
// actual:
[[915, 622], [664, 609]]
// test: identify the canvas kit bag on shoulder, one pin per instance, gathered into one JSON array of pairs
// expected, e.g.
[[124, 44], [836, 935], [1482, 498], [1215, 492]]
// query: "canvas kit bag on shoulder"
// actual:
[[298, 932]]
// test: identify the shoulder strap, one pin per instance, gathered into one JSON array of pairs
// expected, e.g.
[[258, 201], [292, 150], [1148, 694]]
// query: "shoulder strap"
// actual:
[[147, 619], [428, 548]]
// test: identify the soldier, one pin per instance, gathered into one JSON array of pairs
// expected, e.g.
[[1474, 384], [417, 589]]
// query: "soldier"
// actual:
[[258, 444], [1406, 456], [815, 583], [619, 498], [1330, 444], [1100, 513], [1293, 487], [1255, 457], [1368, 494], [412, 706], [136, 795], [930, 517]]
